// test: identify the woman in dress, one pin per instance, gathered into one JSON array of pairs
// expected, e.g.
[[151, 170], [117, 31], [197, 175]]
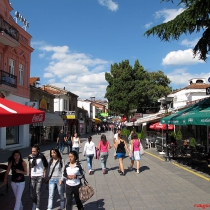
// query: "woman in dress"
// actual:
[[19, 169], [89, 152], [103, 147], [121, 148], [135, 151], [73, 172], [55, 177], [76, 144]]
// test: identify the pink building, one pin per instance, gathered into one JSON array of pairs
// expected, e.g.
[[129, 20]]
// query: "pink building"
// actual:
[[15, 58]]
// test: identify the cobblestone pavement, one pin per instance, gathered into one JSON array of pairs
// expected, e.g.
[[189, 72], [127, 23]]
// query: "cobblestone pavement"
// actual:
[[160, 185]]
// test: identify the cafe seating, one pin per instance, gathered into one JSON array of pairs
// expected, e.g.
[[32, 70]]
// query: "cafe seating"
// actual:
[[3, 169]]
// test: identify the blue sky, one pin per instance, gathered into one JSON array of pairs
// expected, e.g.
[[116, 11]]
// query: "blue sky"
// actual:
[[76, 41]]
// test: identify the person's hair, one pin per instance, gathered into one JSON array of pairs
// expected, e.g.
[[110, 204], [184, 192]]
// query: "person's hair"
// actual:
[[134, 136], [58, 155], [75, 154], [103, 139], [12, 159], [36, 146], [120, 135], [89, 138]]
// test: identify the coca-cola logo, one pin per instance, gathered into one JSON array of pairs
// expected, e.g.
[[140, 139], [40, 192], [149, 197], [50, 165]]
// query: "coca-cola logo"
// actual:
[[38, 118]]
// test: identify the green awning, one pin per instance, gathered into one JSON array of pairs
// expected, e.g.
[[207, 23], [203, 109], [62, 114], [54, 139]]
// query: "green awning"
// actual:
[[197, 114]]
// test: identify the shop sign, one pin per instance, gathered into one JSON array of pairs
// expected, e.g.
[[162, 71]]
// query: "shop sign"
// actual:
[[43, 104], [69, 115]]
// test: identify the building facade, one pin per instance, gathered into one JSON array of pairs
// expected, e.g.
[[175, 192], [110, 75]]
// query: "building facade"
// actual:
[[15, 59]]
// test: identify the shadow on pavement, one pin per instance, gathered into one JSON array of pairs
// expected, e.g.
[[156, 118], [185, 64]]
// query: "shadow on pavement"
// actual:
[[144, 168], [95, 205]]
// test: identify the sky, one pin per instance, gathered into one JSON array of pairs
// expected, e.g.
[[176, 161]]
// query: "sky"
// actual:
[[76, 41]]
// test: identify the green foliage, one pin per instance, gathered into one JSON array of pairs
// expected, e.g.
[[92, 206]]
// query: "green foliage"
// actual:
[[142, 135], [130, 87], [193, 142], [179, 135], [194, 18], [125, 132]]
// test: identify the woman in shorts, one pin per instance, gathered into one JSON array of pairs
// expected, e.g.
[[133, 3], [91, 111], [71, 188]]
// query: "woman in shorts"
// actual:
[[121, 148], [135, 151]]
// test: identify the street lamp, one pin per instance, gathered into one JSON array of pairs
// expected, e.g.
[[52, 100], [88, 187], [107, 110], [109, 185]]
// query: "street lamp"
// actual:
[[166, 102]]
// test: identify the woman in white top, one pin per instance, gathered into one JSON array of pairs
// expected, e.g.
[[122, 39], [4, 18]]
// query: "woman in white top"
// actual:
[[89, 151], [76, 144], [73, 172]]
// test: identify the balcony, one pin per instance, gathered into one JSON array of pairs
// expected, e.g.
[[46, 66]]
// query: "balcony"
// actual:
[[8, 82], [8, 34]]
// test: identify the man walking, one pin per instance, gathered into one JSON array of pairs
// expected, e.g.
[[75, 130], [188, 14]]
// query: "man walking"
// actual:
[[61, 141]]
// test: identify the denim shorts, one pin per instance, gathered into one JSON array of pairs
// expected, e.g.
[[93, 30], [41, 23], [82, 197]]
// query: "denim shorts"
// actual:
[[120, 155]]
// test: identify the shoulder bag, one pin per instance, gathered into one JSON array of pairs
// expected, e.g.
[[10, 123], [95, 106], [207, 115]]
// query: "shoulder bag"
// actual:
[[47, 181], [85, 191], [141, 149]]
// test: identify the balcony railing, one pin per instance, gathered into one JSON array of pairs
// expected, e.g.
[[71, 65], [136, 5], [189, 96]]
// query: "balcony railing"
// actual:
[[8, 79], [8, 29]]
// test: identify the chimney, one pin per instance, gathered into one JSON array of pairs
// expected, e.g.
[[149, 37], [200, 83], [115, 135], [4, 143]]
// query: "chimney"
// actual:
[[92, 98]]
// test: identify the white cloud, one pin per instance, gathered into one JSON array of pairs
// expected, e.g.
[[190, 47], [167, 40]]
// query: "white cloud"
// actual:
[[180, 77], [181, 57], [79, 73], [42, 55], [111, 5], [148, 25], [188, 43], [168, 14], [48, 75]]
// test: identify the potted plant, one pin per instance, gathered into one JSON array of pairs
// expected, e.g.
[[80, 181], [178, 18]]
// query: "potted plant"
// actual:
[[193, 143], [179, 137]]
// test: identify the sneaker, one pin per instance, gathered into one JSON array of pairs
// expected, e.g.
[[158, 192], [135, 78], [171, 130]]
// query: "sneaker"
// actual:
[[90, 172], [104, 171], [34, 206], [137, 171]]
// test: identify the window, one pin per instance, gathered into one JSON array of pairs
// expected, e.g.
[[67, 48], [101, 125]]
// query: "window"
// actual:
[[12, 135], [12, 67], [65, 104], [21, 74]]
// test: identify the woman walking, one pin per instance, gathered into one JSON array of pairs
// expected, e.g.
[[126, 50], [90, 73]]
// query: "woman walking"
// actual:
[[103, 147], [19, 168], [73, 172], [89, 151], [76, 144], [55, 177], [121, 148], [135, 153]]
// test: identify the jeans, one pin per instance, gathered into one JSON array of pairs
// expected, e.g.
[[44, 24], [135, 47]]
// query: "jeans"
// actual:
[[35, 190], [69, 147], [103, 158], [18, 188], [52, 184], [70, 190], [61, 146], [89, 161], [76, 149]]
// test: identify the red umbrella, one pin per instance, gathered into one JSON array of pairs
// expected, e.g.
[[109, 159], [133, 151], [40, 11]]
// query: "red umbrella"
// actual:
[[159, 126], [13, 114]]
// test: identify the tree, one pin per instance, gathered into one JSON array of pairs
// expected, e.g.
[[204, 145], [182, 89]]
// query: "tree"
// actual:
[[194, 18], [128, 87]]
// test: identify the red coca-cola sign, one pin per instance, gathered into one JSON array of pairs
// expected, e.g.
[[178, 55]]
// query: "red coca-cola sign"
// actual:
[[37, 118]]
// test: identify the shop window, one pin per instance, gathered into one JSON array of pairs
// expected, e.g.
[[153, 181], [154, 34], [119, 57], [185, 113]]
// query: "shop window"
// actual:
[[12, 135]]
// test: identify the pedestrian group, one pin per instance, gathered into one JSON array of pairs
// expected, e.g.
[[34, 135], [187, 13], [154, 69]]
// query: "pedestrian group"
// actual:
[[66, 177]]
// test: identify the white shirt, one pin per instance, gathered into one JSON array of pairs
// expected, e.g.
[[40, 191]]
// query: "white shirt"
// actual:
[[76, 142], [73, 171], [116, 136], [39, 169], [89, 148]]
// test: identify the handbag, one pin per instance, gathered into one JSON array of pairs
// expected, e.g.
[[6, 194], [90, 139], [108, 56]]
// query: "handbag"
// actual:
[[97, 156], [141, 149], [85, 191]]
